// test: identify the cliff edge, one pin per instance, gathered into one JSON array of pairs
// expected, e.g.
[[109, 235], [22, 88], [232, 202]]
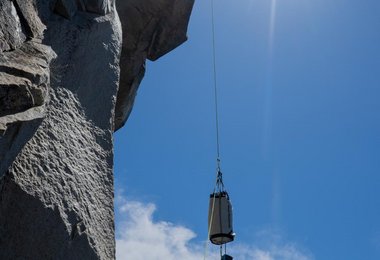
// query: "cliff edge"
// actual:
[[69, 73]]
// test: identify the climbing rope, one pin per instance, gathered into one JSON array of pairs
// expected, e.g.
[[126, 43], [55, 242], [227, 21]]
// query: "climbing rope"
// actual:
[[211, 218], [219, 186], [215, 84]]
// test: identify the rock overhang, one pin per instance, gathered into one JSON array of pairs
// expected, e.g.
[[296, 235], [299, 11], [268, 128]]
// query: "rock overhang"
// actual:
[[161, 26]]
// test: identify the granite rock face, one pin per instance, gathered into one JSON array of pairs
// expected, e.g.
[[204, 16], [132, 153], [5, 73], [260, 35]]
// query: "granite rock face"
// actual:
[[69, 72], [160, 26]]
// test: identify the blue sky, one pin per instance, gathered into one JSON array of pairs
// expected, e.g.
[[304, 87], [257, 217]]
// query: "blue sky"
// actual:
[[299, 89]]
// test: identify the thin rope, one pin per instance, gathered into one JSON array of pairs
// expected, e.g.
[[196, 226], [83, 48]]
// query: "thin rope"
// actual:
[[215, 83], [218, 181], [211, 218]]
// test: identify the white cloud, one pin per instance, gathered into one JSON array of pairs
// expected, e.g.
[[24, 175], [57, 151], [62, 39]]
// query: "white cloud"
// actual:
[[274, 252], [140, 237]]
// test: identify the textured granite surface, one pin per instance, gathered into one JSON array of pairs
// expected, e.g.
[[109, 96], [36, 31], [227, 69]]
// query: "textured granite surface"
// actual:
[[69, 72]]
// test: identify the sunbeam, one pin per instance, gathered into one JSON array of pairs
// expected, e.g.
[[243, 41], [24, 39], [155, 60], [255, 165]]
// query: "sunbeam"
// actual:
[[267, 124], [272, 24]]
